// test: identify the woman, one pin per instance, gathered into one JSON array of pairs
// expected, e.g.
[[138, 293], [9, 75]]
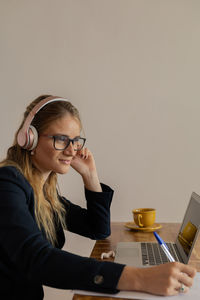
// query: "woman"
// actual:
[[33, 214]]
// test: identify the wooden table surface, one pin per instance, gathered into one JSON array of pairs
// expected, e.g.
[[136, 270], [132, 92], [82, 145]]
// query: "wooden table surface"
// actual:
[[119, 233]]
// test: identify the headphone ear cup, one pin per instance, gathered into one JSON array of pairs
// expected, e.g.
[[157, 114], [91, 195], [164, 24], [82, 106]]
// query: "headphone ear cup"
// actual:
[[22, 138], [33, 138]]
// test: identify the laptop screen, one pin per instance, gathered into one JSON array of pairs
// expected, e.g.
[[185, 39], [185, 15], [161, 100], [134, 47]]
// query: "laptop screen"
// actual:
[[189, 228]]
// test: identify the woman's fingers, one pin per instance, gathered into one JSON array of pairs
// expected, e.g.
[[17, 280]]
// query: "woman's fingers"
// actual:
[[182, 288], [183, 277], [84, 153], [187, 270], [183, 274], [186, 280]]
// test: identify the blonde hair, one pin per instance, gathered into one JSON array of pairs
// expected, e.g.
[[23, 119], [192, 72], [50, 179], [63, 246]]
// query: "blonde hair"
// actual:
[[49, 211]]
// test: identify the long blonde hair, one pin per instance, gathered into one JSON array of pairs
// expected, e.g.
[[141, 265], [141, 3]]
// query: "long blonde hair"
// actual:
[[49, 211]]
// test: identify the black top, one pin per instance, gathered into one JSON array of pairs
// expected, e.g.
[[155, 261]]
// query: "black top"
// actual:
[[27, 258]]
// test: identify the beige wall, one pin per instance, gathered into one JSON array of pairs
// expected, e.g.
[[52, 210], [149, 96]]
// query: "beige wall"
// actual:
[[132, 69]]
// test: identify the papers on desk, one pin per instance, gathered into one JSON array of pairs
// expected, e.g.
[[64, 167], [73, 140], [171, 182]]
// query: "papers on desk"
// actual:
[[193, 294]]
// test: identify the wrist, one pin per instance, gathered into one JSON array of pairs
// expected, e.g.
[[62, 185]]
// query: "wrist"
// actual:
[[130, 279], [91, 182]]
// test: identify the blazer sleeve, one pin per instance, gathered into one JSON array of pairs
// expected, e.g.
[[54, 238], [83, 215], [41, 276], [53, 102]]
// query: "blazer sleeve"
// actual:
[[30, 256], [93, 222]]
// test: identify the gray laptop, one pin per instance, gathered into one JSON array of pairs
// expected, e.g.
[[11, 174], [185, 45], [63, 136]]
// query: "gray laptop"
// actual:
[[143, 254]]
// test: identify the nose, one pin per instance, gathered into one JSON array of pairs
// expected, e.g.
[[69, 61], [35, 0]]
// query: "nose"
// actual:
[[70, 150]]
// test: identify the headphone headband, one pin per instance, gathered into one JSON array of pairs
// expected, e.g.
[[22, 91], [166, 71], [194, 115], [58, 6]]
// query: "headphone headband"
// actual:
[[23, 137]]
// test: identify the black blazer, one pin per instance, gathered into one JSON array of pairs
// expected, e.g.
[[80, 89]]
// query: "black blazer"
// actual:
[[27, 258]]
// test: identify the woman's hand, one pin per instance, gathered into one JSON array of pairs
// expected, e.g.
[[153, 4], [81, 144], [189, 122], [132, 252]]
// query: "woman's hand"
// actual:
[[165, 279], [84, 164]]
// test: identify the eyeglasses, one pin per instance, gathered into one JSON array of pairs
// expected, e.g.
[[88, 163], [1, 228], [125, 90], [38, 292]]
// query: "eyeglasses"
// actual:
[[61, 142]]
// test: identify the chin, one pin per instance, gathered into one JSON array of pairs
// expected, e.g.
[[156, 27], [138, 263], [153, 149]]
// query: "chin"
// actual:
[[62, 170]]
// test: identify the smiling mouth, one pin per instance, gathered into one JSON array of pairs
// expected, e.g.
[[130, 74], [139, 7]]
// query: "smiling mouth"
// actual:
[[65, 161]]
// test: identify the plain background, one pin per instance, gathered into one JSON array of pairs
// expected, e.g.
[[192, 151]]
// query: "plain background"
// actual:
[[131, 67]]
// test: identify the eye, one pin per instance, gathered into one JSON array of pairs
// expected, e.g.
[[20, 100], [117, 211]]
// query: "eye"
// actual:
[[61, 138], [76, 139]]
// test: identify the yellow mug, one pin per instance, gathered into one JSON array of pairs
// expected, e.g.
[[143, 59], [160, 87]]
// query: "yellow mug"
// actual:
[[144, 217]]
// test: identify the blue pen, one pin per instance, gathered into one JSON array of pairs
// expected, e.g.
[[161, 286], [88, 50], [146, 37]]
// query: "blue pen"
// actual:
[[164, 247]]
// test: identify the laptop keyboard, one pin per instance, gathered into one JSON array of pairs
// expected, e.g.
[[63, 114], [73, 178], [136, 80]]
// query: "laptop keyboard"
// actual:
[[152, 253]]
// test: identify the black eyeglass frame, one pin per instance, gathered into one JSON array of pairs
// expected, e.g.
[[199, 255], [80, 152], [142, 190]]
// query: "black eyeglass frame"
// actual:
[[69, 141]]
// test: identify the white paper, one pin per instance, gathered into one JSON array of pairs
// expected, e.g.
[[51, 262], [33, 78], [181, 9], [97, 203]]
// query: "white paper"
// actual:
[[194, 293]]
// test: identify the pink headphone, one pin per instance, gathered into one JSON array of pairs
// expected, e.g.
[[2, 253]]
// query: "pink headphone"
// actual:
[[27, 137]]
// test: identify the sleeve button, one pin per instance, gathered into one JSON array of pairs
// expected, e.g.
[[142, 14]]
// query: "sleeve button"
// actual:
[[98, 279]]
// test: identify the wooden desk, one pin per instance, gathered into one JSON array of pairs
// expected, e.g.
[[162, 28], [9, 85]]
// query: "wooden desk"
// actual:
[[119, 233]]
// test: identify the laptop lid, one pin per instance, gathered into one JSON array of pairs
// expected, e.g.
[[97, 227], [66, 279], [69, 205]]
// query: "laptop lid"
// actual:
[[189, 229]]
